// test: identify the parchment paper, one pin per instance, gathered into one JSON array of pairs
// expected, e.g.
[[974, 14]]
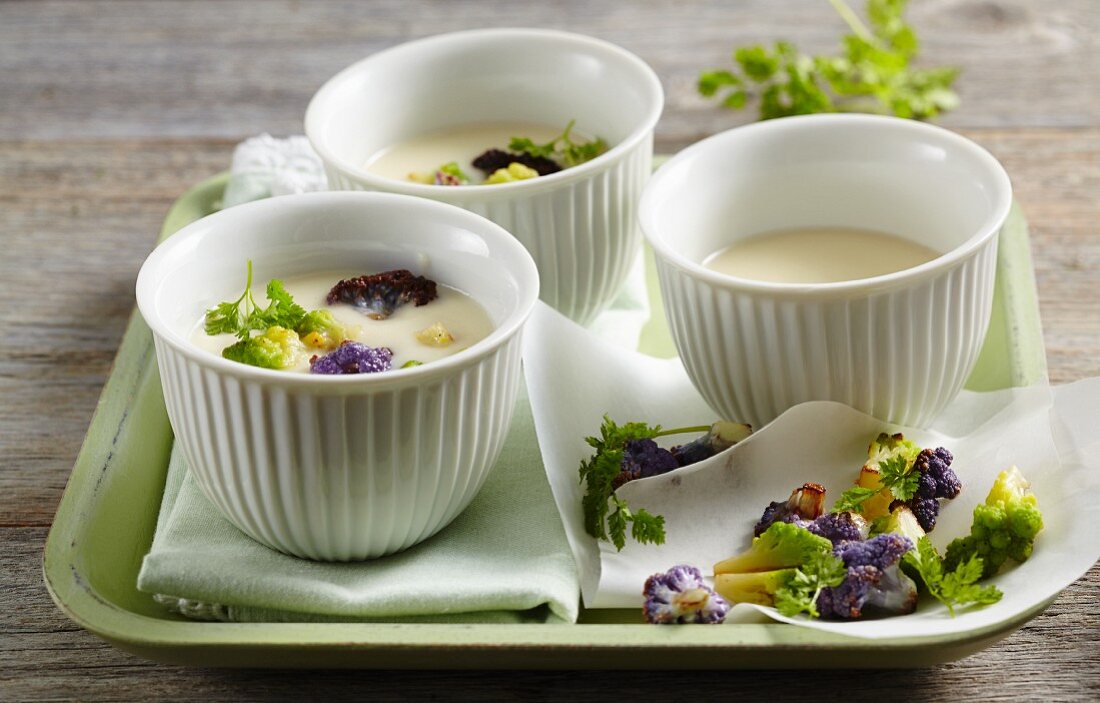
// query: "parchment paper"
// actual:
[[1053, 435]]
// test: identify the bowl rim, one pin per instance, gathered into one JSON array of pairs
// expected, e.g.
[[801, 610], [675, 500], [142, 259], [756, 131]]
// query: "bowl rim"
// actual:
[[648, 207], [520, 265], [647, 77]]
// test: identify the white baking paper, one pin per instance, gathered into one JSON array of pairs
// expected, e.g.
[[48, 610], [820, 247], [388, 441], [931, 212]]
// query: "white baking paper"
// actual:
[[1053, 435]]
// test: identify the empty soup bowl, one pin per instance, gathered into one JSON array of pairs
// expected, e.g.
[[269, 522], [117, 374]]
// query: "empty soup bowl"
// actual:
[[858, 252], [339, 467], [433, 98]]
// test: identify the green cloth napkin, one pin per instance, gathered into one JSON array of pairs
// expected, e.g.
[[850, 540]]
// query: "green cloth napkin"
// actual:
[[504, 559]]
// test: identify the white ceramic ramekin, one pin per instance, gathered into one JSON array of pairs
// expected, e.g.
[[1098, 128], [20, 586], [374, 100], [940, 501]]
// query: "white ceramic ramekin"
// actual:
[[579, 224], [899, 346], [338, 467]]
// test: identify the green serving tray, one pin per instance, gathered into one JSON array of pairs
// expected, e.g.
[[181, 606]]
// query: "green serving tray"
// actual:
[[104, 526]]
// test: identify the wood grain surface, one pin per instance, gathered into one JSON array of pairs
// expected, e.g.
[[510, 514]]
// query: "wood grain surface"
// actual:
[[110, 110]]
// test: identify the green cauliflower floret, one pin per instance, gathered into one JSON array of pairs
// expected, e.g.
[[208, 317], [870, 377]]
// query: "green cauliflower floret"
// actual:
[[759, 587], [781, 546], [1004, 526], [887, 446], [902, 521], [276, 348], [514, 172], [884, 448], [320, 329]]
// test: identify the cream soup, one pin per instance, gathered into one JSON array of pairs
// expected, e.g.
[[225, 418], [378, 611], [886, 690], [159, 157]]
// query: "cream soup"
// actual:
[[464, 318], [818, 255], [462, 144]]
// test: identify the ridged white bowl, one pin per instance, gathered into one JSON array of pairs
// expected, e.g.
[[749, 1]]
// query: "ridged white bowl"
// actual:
[[338, 467], [579, 224], [898, 346]]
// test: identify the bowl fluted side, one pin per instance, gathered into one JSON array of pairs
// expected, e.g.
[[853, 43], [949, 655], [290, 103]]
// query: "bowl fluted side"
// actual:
[[583, 234], [900, 354], [345, 475]]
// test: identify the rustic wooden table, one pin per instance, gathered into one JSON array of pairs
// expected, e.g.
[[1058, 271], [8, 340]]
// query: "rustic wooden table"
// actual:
[[110, 110]]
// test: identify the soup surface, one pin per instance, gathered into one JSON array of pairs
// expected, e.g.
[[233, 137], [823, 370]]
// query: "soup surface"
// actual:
[[427, 152], [462, 316], [818, 255]]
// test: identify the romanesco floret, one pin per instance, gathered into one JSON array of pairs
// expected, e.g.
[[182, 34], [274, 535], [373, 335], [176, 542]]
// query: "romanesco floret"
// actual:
[[320, 329], [680, 596], [874, 580], [1004, 526], [276, 348]]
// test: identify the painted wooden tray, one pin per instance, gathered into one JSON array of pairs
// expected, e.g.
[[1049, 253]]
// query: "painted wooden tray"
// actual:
[[105, 524]]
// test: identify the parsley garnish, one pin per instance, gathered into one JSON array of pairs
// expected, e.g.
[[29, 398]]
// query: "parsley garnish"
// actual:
[[853, 498], [957, 588], [872, 75], [598, 472], [561, 148], [799, 595], [243, 315], [895, 474]]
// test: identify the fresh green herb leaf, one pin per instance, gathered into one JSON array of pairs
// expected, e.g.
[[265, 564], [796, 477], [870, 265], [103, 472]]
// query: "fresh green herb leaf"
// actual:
[[956, 588], [896, 474], [451, 168], [853, 498], [799, 594], [243, 315], [561, 148], [282, 311], [873, 73], [228, 317], [598, 473]]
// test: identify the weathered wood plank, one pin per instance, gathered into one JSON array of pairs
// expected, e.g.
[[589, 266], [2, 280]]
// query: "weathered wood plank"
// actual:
[[229, 69], [108, 111]]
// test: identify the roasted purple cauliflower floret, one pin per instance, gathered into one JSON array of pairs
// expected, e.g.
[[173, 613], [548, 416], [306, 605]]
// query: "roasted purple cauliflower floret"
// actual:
[[680, 596], [846, 526], [874, 582], [379, 294], [351, 358], [936, 465], [937, 480], [721, 436], [493, 160], [807, 502], [643, 458]]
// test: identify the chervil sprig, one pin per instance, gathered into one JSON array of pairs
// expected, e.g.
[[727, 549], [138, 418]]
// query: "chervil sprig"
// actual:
[[873, 74], [602, 474], [561, 148], [799, 595], [956, 588]]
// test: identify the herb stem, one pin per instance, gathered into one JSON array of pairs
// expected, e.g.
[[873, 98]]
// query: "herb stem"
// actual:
[[853, 21], [683, 430]]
